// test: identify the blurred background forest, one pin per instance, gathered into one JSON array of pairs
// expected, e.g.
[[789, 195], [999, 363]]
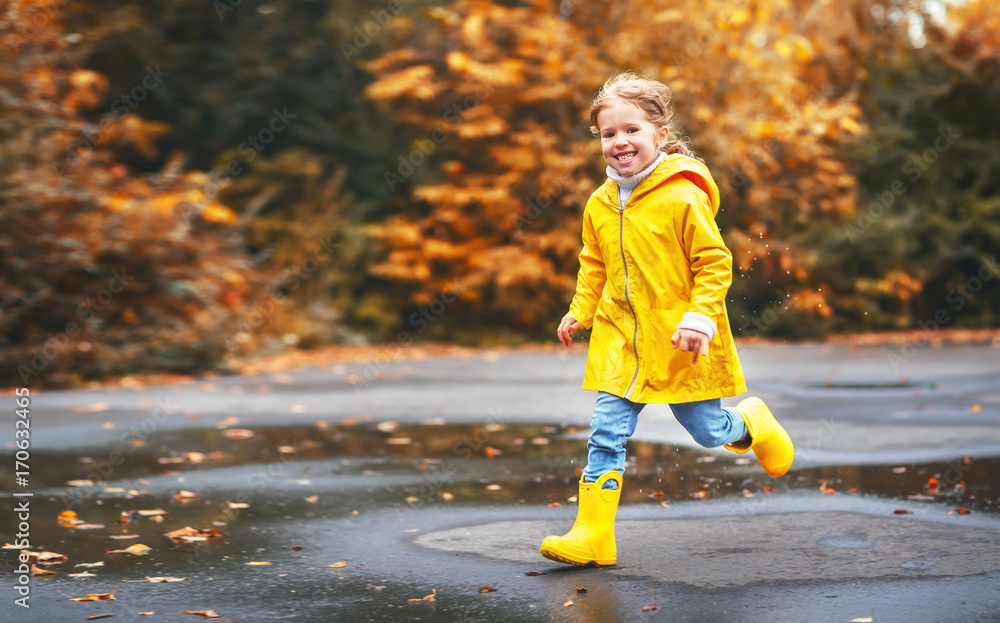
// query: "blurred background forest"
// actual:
[[188, 182]]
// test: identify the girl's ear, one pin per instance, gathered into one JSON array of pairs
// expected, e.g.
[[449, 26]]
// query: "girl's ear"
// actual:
[[662, 136]]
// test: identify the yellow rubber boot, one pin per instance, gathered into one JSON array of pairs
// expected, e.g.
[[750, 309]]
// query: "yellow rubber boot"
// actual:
[[768, 439], [591, 540]]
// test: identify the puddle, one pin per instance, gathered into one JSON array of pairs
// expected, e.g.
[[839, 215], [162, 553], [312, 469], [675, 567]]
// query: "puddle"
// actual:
[[319, 473], [861, 385]]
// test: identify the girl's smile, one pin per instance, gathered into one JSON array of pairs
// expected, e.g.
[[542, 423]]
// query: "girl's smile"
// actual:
[[628, 140]]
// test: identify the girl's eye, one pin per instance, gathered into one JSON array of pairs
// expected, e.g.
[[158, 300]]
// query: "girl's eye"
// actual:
[[633, 130], [608, 134]]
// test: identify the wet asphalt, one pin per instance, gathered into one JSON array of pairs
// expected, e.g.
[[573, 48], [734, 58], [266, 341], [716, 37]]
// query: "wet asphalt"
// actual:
[[440, 478]]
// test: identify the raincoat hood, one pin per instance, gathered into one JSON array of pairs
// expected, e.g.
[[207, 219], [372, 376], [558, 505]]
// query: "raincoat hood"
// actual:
[[690, 169], [647, 265]]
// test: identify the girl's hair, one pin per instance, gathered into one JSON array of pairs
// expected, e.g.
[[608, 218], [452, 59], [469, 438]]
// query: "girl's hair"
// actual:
[[650, 96]]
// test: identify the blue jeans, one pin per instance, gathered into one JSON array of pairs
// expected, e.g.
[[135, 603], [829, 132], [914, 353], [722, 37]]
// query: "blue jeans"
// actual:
[[615, 418]]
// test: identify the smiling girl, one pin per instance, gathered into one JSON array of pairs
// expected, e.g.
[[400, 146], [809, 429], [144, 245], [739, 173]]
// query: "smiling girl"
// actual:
[[654, 269]]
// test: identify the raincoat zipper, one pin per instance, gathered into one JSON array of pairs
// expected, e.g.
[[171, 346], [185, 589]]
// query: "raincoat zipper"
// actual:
[[635, 320]]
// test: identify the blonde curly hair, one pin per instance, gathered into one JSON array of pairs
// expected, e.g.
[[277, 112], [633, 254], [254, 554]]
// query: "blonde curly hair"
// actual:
[[649, 96]]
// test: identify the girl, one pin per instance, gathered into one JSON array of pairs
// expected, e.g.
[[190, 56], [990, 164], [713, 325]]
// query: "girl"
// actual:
[[653, 268]]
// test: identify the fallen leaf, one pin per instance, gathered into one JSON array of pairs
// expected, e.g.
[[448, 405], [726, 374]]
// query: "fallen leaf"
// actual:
[[82, 574], [487, 589], [539, 441], [94, 597], [123, 536], [650, 607], [80, 483], [492, 452], [977, 408], [447, 497], [656, 495], [171, 460], [567, 603], [10, 546], [312, 499], [962, 511], [376, 587], [399, 441], [36, 570], [89, 526], [68, 519], [160, 579], [237, 504], [864, 620], [237, 433], [700, 495], [46, 558], [147, 612], [581, 589], [151, 513], [387, 427], [493, 487], [338, 565], [555, 505], [901, 511], [899, 470], [920, 496], [427, 598], [768, 489], [89, 564], [138, 549], [256, 563], [296, 548], [94, 617], [185, 496], [208, 614], [188, 534], [533, 573]]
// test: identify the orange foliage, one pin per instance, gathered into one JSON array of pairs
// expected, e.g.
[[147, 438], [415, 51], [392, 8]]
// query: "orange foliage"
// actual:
[[766, 92]]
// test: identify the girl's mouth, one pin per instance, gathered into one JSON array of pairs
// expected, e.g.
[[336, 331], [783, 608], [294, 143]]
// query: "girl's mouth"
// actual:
[[626, 157]]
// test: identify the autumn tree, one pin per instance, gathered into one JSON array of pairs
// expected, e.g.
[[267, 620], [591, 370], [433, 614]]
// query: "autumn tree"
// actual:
[[105, 271]]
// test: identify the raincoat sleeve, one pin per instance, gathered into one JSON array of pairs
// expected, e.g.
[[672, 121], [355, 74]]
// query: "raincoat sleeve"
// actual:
[[710, 261], [591, 278]]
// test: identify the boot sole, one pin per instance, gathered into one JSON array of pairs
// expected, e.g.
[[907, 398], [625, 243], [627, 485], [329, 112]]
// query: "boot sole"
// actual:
[[589, 563]]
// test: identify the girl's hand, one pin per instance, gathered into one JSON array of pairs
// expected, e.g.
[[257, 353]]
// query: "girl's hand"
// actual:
[[690, 340], [567, 327]]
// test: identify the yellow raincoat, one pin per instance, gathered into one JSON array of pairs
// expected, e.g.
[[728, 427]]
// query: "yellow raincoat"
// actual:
[[644, 265]]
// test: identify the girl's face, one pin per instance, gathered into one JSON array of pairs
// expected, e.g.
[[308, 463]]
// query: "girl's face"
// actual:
[[629, 141]]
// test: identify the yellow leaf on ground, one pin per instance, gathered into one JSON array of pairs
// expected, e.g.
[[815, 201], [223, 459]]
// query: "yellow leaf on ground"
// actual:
[[94, 597], [338, 565], [208, 614], [138, 549], [427, 598], [256, 563], [82, 574], [36, 570]]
